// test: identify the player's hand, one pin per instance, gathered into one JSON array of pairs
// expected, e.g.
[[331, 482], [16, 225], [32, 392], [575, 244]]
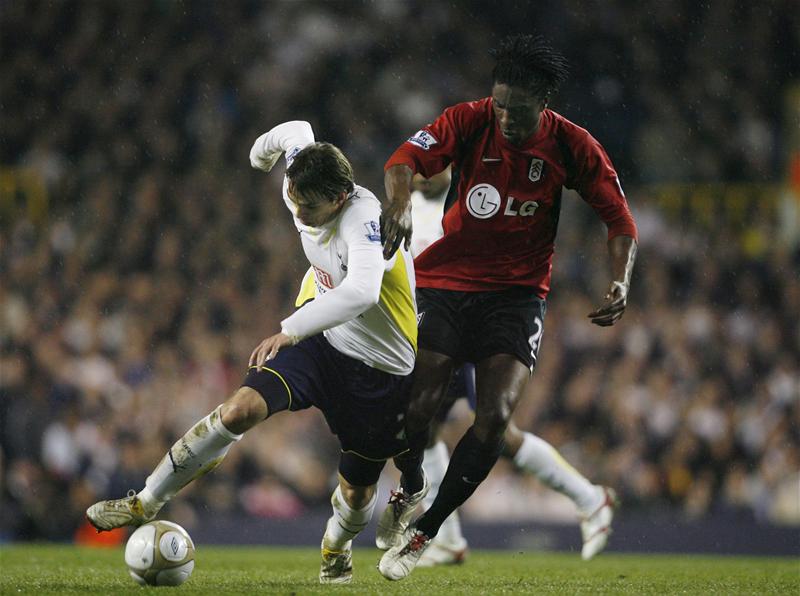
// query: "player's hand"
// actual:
[[613, 307], [269, 348], [395, 228]]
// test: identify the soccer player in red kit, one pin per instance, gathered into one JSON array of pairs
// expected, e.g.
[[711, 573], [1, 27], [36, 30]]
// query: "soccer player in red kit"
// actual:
[[481, 288]]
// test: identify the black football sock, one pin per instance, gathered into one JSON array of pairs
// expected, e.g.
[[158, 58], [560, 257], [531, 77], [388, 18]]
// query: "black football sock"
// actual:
[[410, 462], [470, 464]]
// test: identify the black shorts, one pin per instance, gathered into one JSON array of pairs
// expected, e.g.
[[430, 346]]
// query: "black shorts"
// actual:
[[471, 326], [365, 407]]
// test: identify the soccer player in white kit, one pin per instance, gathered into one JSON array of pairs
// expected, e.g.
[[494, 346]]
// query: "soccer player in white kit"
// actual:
[[350, 352], [529, 452]]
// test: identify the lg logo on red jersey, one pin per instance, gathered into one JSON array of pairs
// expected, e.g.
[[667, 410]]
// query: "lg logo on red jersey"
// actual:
[[483, 201]]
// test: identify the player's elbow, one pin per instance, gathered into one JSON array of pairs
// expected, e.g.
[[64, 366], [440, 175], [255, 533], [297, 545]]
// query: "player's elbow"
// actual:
[[302, 128], [370, 297]]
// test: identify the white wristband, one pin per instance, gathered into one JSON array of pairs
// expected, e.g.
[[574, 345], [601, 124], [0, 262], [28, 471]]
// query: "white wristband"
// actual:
[[294, 338]]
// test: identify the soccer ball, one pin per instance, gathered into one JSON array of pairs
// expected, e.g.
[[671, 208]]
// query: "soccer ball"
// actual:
[[160, 553]]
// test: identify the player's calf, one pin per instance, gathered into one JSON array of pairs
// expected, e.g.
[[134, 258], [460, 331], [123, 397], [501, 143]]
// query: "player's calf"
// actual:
[[343, 526], [198, 452]]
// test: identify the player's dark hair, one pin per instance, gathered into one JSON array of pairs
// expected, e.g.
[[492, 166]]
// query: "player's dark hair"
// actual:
[[321, 172], [529, 62]]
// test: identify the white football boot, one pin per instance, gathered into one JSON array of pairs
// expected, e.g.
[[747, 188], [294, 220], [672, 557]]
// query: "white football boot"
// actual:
[[116, 513], [399, 561], [395, 518], [596, 525], [337, 565]]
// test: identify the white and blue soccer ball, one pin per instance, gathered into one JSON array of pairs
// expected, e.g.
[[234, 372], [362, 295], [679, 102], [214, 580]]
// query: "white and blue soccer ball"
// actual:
[[160, 553]]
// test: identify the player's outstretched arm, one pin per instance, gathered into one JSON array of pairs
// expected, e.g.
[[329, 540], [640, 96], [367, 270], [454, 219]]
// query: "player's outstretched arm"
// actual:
[[622, 251], [396, 216]]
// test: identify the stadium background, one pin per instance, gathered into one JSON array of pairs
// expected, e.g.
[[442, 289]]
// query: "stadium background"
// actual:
[[142, 258]]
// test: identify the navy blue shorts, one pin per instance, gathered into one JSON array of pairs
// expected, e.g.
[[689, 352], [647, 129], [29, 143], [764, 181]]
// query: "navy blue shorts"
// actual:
[[472, 326], [364, 407]]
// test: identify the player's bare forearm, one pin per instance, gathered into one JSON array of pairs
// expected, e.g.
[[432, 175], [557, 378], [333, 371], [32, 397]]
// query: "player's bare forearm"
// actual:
[[396, 216], [622, 252], [397, 180]]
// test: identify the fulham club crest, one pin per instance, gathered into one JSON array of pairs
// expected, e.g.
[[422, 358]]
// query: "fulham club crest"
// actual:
[[535, 173]]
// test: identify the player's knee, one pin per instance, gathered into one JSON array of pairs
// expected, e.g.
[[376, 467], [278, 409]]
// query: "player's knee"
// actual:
[[243, 410], [512, 439], [491, 423], [490, 433]]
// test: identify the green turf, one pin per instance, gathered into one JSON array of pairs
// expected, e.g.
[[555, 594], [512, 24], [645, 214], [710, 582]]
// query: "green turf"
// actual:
[[64, 569]]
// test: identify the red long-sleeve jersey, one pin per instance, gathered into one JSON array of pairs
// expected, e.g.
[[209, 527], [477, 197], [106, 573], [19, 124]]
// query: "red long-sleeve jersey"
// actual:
[[500, 225]]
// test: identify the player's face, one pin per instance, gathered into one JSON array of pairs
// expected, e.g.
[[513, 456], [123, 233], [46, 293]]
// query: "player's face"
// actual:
[[517, 112], [315, 213]]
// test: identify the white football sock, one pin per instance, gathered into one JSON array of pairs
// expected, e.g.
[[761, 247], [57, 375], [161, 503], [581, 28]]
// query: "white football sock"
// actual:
[[435, 466], [346, 522], [540, 458], [197, 452]]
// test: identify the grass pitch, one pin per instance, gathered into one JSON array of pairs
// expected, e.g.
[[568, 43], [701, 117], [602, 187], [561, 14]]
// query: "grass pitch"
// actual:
[[65, 569]]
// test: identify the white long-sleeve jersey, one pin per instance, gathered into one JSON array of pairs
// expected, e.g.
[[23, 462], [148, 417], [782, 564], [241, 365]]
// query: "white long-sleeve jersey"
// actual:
[[364, 305]]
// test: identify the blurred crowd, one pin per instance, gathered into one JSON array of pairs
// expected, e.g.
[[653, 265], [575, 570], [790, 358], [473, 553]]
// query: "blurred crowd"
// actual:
[[129, 307]]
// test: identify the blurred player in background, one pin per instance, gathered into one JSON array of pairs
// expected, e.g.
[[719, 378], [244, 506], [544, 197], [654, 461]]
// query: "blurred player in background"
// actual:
[[350, 352], [528, 452], [427, 209], [482, 286]]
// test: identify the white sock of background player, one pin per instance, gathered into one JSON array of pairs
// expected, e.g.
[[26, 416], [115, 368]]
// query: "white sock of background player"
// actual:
[[536, 456]]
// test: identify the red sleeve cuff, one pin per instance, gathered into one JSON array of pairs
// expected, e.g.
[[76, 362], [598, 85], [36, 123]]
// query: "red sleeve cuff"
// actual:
[[402, 157], [626, 227]]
